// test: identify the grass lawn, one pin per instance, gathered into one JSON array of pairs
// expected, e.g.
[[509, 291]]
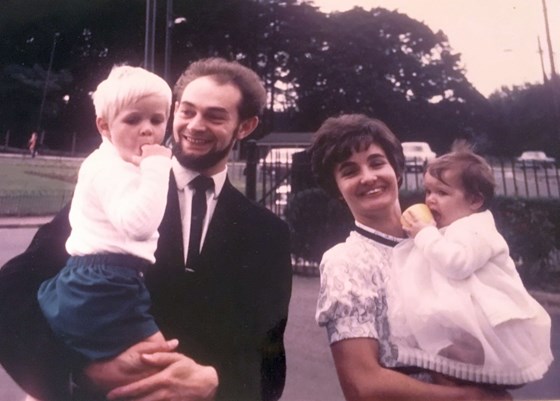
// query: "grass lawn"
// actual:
[[24, 174], [43, 185], [39, 186]]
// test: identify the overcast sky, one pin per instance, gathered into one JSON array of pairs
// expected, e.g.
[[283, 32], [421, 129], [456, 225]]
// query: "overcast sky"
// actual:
[[497, 39]]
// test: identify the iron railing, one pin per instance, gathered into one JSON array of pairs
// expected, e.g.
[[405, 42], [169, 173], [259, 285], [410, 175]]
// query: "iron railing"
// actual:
[[276, 181]]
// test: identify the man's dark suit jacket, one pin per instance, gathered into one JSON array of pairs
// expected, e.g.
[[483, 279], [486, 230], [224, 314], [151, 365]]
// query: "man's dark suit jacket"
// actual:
[[231, 313]]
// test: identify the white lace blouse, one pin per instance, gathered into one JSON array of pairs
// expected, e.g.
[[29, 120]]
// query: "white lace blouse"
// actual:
[[352, 299]]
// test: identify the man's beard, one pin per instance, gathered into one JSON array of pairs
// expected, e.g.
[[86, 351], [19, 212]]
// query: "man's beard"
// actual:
[[201, 162]]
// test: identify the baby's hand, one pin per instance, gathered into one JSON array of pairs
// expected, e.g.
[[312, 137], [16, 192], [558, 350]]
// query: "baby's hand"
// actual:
[[415, 219], [151, 150], [155, 150]]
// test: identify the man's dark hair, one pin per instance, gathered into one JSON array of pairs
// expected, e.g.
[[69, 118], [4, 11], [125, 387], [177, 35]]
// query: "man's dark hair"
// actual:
[[339, 137], [253, 94]]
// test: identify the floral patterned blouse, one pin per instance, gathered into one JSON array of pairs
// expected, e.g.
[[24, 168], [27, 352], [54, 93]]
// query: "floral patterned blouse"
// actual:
[[352, 299]]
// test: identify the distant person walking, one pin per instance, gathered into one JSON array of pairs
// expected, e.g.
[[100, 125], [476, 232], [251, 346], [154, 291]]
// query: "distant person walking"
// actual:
[[32, 143]]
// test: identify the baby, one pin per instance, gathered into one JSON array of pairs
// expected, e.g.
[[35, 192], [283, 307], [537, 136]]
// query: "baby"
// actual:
[[460, 307]]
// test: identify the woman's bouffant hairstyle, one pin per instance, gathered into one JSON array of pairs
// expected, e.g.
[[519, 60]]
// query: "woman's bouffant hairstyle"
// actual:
[[473, 171], [253, 94], [339, 137]]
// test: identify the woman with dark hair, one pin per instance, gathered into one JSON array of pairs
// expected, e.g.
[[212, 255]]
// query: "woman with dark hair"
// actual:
[[360, 160]]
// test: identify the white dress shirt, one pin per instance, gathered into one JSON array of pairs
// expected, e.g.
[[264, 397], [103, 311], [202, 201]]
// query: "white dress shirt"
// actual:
[[183, 176]]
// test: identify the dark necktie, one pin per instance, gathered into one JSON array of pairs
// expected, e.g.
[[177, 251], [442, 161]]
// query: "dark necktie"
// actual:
[[199, 185]]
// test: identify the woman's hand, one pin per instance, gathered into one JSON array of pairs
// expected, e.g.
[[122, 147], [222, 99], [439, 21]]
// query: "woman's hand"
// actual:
[[179, 378]]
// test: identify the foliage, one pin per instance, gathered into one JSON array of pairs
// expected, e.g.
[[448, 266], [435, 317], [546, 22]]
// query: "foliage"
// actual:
[[314, 65], [527, 114], [317, 222], [530, 226], [83, 39]]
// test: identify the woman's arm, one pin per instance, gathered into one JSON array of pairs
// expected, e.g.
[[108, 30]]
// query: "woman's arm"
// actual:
[[362, 378]]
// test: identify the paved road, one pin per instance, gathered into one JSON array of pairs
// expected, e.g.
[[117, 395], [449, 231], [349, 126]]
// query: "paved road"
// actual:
[[311, 375]]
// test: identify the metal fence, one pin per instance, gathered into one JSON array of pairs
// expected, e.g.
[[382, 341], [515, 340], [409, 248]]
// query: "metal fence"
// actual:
[[278, 180], [273, 183]]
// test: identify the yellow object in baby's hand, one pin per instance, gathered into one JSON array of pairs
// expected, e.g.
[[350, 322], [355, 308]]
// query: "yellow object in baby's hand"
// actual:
[[420, 211]]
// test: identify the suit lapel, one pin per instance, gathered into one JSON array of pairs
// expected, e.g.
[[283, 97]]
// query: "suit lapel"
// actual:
[[223, 221], [170, 244]]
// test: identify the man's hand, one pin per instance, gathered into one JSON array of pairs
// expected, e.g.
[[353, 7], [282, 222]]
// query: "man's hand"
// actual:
[[179, 378], [127, 367]]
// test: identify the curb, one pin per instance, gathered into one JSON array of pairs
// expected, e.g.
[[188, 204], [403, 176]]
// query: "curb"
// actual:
[[24, 222]]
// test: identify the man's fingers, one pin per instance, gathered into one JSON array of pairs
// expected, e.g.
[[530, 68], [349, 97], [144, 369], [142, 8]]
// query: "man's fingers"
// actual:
[[163, 359], [149, 347], [133, 390], [150, 384]]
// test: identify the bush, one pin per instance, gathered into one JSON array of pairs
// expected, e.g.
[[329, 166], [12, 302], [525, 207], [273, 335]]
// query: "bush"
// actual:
[[531, 228], [317, 222]]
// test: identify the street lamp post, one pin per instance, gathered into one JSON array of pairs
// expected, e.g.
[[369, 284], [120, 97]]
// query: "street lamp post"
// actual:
[[149, 37], [47, 77], [168, 32]]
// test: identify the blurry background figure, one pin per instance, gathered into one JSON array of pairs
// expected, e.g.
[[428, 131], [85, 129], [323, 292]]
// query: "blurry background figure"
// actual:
[[32, 144]]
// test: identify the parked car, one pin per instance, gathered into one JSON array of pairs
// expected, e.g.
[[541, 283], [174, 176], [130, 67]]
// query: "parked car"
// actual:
[[278, 160], [280, 155], [535, 159], [416, 155]]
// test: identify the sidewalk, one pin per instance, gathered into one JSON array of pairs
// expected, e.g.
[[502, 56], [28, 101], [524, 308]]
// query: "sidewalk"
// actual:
[[551, 301], [24, 222]]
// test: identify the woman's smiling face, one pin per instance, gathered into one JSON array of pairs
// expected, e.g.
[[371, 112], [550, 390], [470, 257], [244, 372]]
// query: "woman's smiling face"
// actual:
[[368, 183]]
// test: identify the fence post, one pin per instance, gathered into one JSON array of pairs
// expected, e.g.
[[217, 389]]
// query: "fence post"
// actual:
[[73, 152], [251, 170]]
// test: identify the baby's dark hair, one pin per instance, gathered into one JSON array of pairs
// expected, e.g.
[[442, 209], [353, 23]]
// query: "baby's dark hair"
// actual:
[[339, 137], [473, 171]]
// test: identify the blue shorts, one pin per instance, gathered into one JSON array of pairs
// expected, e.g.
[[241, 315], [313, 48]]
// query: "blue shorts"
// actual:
[[99, 304]]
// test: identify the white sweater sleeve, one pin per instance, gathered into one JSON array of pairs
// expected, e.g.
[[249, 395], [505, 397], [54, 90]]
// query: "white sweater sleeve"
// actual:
[[457, 253], [135, 206]]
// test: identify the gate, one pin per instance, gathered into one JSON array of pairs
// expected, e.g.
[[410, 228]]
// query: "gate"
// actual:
[[271, 180]]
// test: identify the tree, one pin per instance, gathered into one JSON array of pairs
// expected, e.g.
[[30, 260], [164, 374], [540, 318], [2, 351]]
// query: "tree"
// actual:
[[387, 65], [314, 65], [91, 36], [526, 119]]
